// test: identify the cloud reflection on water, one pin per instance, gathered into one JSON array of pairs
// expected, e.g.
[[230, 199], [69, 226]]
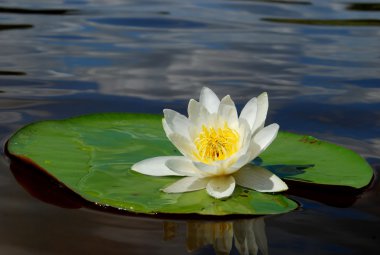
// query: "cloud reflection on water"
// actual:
[[166, 64]]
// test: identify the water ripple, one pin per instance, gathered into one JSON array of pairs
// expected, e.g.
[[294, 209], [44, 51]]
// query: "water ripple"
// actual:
[[327, 22], [16, 10], [151, 23], [368, 7], [15, 26]]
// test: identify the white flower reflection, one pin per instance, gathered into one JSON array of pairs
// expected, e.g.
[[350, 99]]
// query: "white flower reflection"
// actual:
[[247, 237]]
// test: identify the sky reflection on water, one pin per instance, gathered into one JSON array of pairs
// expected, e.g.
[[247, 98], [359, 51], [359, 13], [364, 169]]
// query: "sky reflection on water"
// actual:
[[66, 58]]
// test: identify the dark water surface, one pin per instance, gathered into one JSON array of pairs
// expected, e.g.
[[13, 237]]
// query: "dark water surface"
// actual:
[[318, 60]]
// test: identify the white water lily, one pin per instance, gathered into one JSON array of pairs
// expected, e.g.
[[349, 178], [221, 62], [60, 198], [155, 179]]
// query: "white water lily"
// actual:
[[217, 146]]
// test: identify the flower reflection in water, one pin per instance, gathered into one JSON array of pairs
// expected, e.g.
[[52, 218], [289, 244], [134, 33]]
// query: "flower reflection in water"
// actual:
[[228, 237]]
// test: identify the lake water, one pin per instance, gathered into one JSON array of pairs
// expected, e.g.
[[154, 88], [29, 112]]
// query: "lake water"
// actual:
[[318, 60]]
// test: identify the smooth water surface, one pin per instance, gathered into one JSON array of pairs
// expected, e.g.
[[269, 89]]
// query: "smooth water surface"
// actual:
[[318, 60]]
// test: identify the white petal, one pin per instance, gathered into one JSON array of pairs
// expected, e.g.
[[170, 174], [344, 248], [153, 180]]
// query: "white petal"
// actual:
[[227, 113], [206, 168], [262, 110], [167, 129], [249, 112], [227, 100], [194, 131], [245, 135], [223, 166], [259, 178], [266, 135], [184, 166], [221, 186], [250, 148], [187, 184], [155, 166], [252, 152], [198, 116], [209, 100], [177, 122], [183, 145], [193, 110]]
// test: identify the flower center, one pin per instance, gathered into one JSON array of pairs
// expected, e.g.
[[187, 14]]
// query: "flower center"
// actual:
[[216, 144]]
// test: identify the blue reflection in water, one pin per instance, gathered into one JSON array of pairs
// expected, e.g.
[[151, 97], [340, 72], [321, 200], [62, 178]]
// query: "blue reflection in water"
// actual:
[[151, 23]]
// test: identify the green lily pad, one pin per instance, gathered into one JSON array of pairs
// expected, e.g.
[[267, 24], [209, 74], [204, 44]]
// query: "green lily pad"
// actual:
[[307, 159], [92, 156]]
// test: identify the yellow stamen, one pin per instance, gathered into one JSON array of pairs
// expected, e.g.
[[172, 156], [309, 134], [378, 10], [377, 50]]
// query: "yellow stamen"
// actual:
[[216, 144]]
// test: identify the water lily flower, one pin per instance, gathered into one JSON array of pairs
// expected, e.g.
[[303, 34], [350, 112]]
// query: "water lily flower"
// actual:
[[217, 146]]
